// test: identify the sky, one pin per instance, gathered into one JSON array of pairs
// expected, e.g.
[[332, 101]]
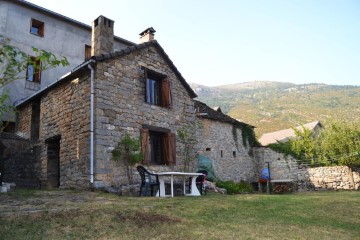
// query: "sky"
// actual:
[[214, 42]]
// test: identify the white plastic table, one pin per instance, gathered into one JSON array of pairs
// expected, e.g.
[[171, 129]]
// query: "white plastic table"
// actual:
[[163, 175]]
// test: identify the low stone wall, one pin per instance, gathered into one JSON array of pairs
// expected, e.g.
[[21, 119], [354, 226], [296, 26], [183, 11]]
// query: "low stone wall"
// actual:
[[20, 163], [338, 177], [304, 177]]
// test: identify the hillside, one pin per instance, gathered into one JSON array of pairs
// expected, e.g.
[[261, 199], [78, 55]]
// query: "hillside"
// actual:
[[272, 106]]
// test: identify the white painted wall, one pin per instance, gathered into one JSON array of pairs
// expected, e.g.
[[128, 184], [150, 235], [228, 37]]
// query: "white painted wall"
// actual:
[[61, 37]]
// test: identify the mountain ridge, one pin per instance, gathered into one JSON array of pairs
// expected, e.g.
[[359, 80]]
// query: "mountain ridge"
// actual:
[[272, 106]]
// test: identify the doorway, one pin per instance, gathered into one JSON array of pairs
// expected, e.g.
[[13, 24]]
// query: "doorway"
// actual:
[[53, 162]]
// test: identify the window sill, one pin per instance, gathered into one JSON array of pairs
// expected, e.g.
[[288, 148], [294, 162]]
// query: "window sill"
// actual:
[[38, 35], [32, 85]]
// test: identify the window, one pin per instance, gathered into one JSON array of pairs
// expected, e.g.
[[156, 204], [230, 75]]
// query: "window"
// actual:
[[37, 27], [221, 153], [208, 149], [35, 120], [155, 145], [159, 148], [234, 153], [157, 89], [87, 52], [33, 70]]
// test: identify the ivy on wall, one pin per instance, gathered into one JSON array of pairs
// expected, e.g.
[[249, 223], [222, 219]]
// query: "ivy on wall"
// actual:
[[247, 134]]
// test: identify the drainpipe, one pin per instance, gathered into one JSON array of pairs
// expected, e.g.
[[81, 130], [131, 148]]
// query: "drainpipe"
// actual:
[[91, 124]]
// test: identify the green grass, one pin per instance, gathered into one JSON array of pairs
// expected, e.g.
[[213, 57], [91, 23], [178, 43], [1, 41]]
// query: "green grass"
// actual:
[[317, 215]]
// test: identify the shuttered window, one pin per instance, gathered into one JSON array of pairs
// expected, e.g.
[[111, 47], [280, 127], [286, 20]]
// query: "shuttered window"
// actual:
[[145, 145], [158, 148], [157, 89], [87, 52], [169, 142], [33, 70]]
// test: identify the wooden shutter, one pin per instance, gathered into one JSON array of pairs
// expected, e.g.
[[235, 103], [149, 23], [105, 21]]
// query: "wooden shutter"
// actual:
[[165, 93], [169, 148], [37, 71], [145, 145]]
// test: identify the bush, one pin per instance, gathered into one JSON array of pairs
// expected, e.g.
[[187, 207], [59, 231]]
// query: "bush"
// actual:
[[235, 188]]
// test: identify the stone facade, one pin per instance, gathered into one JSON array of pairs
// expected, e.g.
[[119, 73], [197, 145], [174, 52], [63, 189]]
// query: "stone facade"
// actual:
[[231, 160], [305, 177], [120, 109], [64, 115]]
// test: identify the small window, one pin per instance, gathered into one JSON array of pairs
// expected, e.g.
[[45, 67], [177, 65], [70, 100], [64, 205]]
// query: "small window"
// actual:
[[234, 153], [37, 27], [221, 153], [33, 70], [87, 52], [159, 148], [156, 148], [158, 90], [208, 149], [153, 91]]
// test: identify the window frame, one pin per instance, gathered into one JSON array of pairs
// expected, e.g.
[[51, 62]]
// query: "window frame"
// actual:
[[87, 52], [159, 136], [36, 24], [157, 89], [167, 142], [36, 75]]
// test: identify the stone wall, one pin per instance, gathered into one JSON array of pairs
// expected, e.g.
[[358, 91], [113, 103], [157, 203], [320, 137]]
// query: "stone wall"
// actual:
[[65, 114], [121, 109], [20, 162], [305, 177], [230, 161]]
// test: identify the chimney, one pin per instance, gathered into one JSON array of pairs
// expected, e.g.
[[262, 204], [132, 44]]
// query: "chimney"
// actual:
[[102, 37], [147, 35]]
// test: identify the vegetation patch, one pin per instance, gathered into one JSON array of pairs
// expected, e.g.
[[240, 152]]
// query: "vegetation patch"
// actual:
[[235, 188], [314, 215], [338, 143]]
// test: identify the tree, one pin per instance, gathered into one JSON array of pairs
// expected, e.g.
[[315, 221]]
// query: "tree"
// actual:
[[13, 64], [128, 150], [303, 146], [187, 136], [338, 143]]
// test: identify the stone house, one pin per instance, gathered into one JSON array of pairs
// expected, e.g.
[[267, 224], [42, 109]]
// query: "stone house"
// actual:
[[78, 120], [227, 143]]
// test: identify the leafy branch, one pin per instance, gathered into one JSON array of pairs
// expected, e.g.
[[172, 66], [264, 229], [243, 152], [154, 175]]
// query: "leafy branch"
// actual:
[[128, 150]]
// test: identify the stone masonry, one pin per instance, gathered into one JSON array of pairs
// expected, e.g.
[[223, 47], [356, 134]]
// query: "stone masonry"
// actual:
[[306, 177], [64, 113], [230, 161], [121, 109]]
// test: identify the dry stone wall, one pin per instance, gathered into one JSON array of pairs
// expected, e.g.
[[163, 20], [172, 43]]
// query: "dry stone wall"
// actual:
[[20, 162], [304, 177], [231, 161], [121, 109]]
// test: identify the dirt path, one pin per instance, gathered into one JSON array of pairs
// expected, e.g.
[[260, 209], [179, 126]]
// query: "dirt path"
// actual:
[[47, 201]]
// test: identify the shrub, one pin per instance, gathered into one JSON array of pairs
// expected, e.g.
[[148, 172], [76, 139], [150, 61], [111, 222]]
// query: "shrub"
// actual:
[[235, 188]]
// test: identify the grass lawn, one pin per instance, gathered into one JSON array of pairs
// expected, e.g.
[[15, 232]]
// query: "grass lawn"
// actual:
[[317, 215]]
